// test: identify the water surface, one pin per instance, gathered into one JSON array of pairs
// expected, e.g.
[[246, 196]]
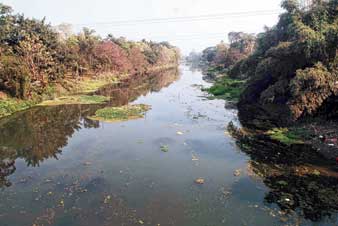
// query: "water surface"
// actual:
[[59, 168]]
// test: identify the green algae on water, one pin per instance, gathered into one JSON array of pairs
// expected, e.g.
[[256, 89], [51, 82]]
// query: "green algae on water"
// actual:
[[118, 114], [76, 99], [164, 148], [227, 88]]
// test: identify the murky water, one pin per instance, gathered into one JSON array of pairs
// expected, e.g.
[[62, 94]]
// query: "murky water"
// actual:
[[59, 168]]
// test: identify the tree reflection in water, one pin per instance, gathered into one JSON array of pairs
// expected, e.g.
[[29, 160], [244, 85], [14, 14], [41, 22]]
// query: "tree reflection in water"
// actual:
[[129, 90], [7, 166], [40, 133], [299, 179]]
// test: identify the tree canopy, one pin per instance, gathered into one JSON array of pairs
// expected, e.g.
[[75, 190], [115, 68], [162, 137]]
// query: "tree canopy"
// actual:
[[226, 55], [34, 54], [293, 71]]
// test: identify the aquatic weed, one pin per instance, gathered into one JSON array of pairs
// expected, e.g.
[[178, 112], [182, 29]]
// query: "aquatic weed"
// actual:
[[124, 113]]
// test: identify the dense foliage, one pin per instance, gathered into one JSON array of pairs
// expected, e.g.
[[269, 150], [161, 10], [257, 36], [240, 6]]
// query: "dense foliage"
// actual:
[[34, 55], [224, 55], [293, 71]]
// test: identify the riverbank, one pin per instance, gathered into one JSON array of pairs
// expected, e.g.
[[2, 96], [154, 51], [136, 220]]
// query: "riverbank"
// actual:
[[290, 95], [70, 91], [317, 134], [293, 147], [91, 165], [68, 87]]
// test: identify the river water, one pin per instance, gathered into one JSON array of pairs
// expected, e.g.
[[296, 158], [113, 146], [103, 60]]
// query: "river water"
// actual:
[[57, 167]]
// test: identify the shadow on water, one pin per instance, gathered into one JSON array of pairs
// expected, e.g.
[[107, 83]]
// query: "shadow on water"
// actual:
[[299, 179], [117, 175], [40, 133], [132, 88]]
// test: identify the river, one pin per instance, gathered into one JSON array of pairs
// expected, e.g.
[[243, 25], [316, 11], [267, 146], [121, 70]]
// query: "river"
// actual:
[[57, 167]]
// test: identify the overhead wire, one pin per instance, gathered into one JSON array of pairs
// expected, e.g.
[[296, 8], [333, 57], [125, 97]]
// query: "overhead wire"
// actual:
[[205, 17]]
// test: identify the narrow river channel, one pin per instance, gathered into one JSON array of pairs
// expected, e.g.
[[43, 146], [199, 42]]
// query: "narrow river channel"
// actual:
[[57, 167]]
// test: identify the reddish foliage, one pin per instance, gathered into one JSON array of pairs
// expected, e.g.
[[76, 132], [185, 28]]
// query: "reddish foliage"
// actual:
[[112, 55], [138, 60]]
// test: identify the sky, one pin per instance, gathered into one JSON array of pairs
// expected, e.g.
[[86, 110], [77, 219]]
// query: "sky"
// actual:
[[189, 33]]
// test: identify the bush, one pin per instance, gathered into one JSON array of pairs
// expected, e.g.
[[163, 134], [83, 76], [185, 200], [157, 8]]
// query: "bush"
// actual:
[[14, 76]]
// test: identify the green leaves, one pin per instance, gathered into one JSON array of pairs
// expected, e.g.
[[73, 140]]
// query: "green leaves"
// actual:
[[5, 10]]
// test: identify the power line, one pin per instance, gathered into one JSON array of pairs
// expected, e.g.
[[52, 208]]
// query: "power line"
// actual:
[[184, 19], [191, 36], [220, 37], [238, 26]]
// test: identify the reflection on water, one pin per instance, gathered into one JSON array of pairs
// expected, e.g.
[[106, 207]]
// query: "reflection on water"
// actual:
[[300, 191], [299, 179], [132, 88], [7, 161], [59, 168], [40, 133]]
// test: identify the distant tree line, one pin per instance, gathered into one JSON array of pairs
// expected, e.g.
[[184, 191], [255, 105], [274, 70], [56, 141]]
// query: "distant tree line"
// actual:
[[223, 55], [33, 54], [193, 58]]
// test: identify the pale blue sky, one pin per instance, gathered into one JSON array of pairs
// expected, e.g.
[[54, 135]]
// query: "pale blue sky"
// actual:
[[187, 35]]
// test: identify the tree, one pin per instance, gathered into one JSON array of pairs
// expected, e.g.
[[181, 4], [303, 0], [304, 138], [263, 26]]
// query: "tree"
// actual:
[[64, 31], [14, 76], [138, 61], [241, 46], [111, 57], [35, 55], [293, 72], [208, 55], [37, 58], [6, 22], [221, 54], [235, 37]]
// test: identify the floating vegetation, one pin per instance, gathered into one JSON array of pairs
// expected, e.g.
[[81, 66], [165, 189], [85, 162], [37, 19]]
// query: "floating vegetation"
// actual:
[[227, 88], [118, 114], [77, 99], [164, 148]]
